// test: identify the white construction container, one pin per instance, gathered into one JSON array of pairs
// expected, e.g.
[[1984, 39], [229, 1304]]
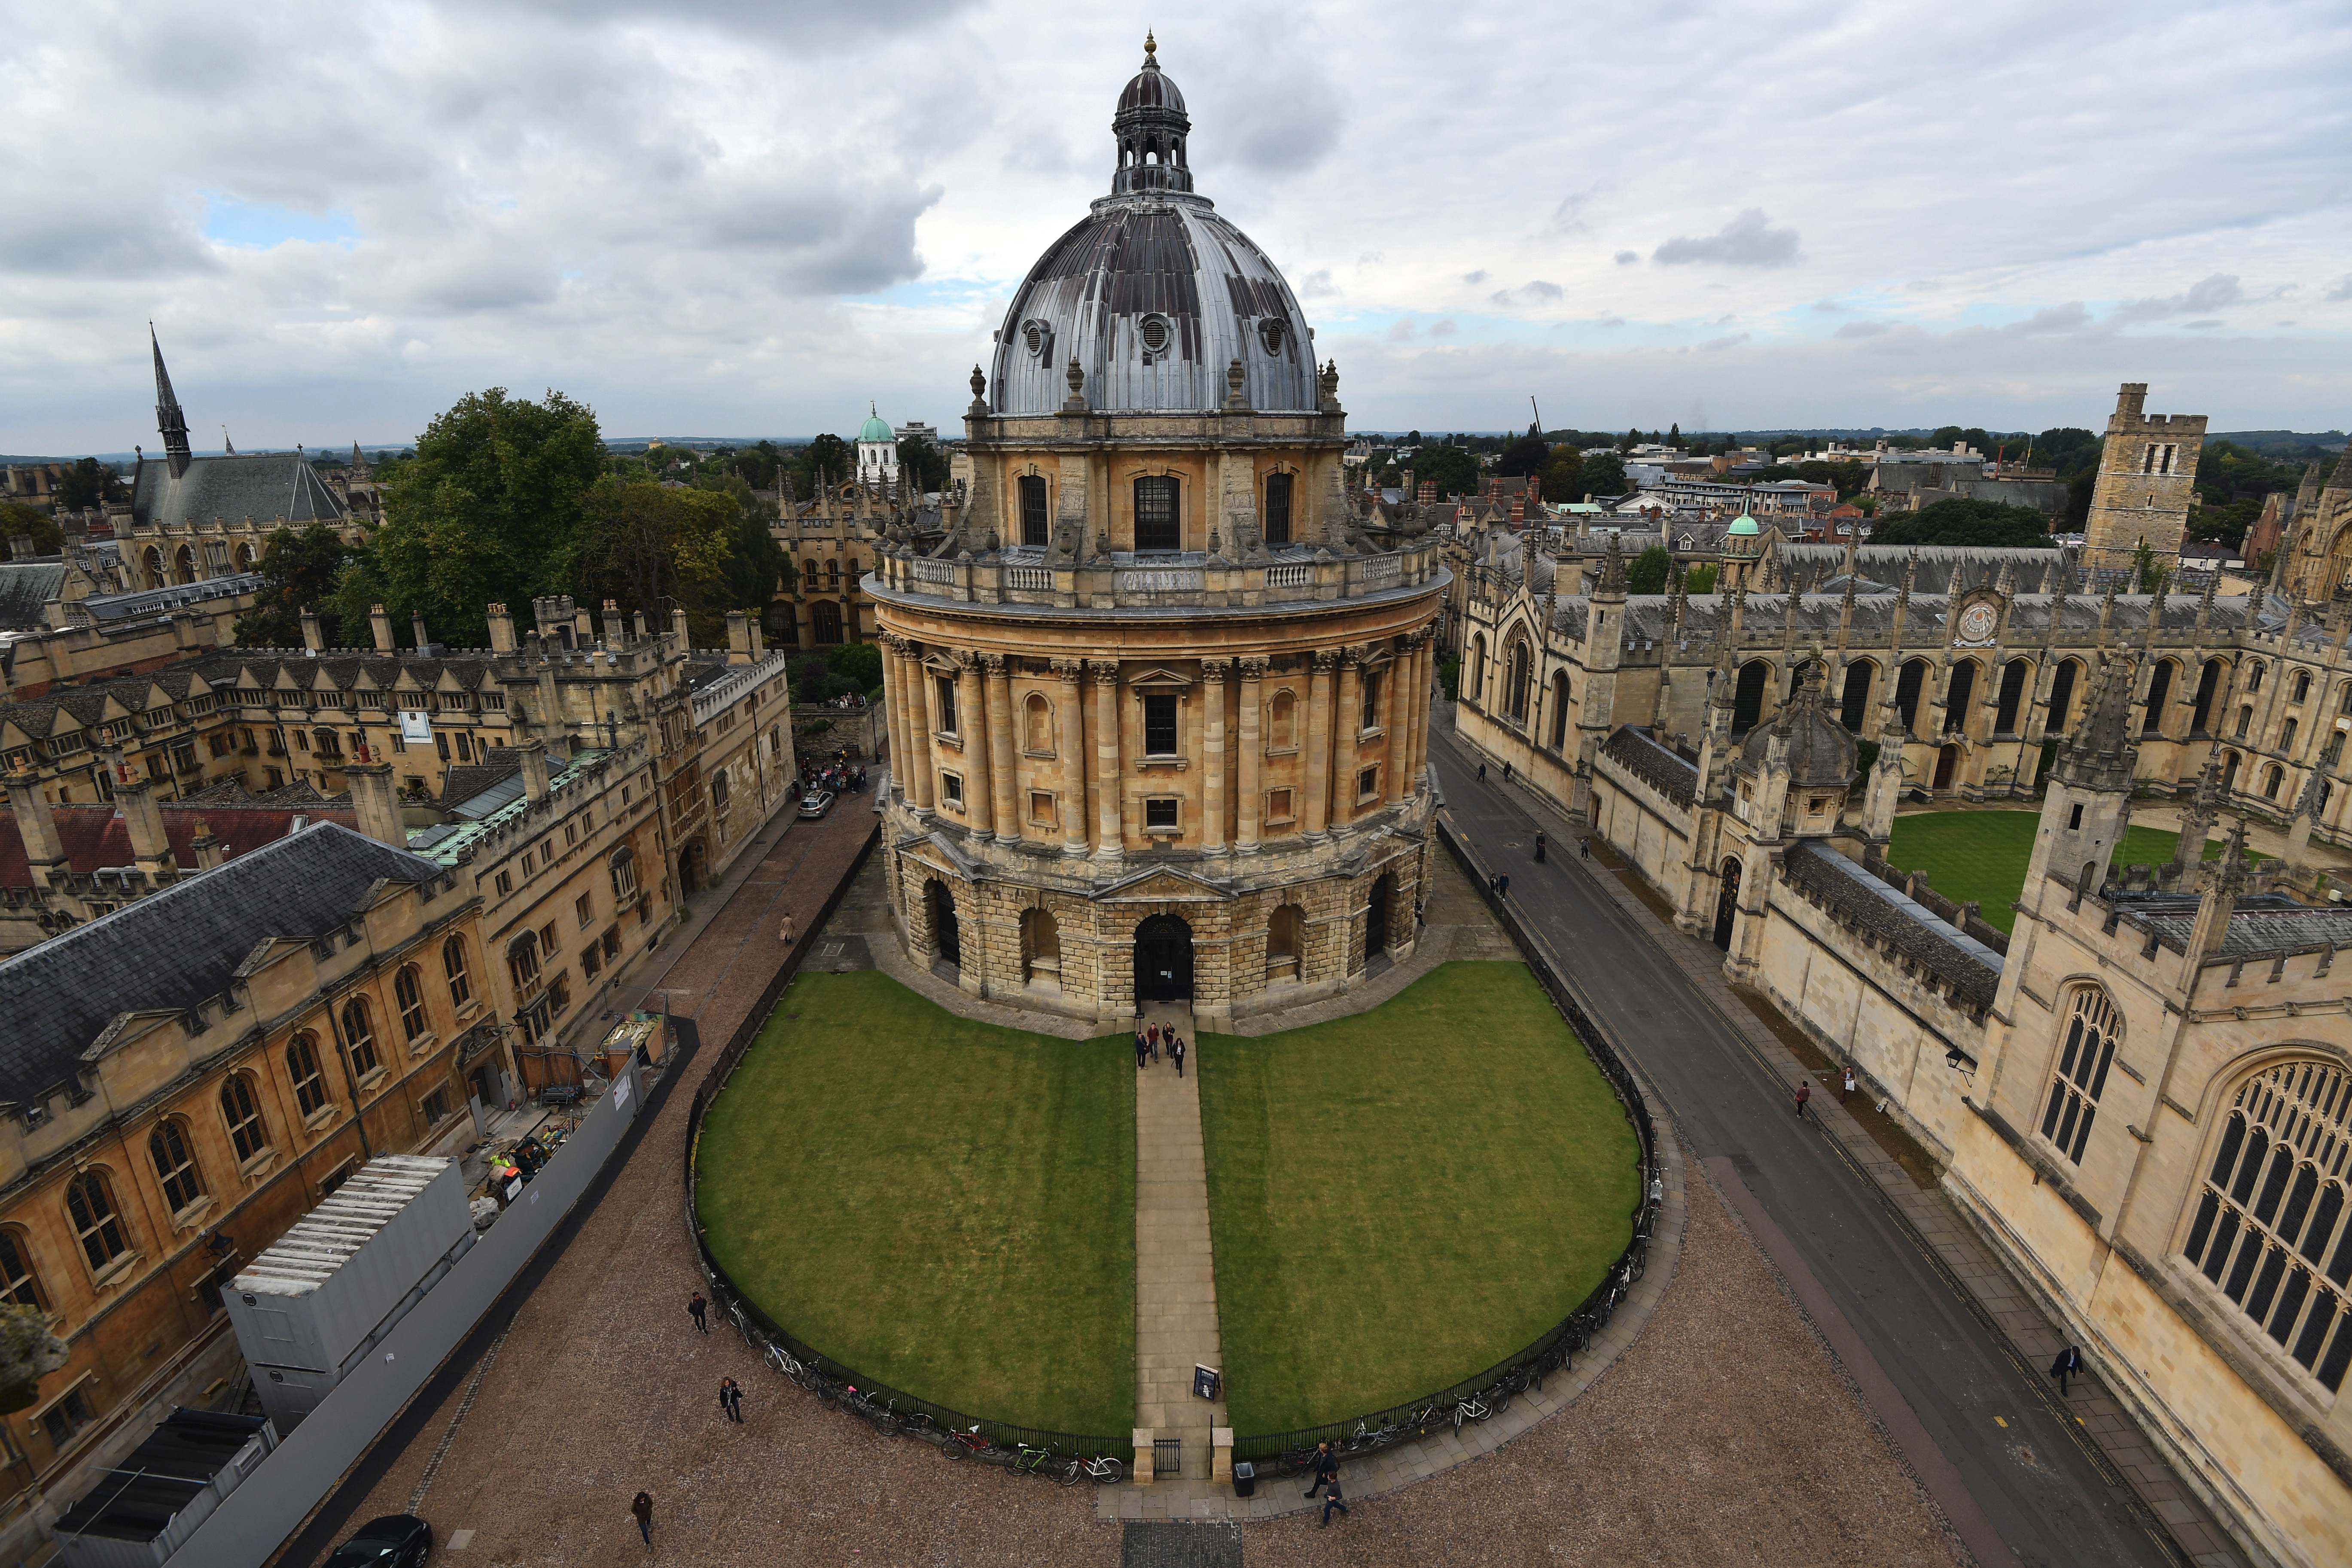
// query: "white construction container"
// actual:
[[310, 1307]]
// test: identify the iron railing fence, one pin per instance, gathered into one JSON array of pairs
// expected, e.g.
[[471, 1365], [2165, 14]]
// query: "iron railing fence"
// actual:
[[888, 1409], [1488, 1393]]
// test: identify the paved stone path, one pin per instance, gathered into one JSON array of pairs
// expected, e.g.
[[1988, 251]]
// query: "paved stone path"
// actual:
[[1175, 1265]]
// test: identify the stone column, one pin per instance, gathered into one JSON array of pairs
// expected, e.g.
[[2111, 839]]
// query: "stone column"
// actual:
[[1396, 721], [1010, 817], [972, 728], [1317, 805], [1249, 796], [922, 725], [1213, 672], [1348, 727], [1108, 841], [1421, 707], [1072, 745], [894, 713]]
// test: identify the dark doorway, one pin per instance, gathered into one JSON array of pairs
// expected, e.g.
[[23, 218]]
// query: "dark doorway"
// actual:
[[2062, 697], [1947, 763], [1855, 710], [2207, 684], [1747, 697], [940, 903], [1376, 918], [1907, 683], [1163, 961], [690, 868], [1726, 905]]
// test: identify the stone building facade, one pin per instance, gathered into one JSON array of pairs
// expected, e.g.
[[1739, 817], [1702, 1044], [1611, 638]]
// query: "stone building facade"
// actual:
[[2147, 478], [2315, 561], [1157, 697]]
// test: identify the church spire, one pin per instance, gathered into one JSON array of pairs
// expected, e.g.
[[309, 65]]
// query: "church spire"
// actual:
[[168, 417]]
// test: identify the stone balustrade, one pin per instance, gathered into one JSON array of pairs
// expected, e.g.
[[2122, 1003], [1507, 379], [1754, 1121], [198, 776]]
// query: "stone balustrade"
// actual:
[[1190, 580]]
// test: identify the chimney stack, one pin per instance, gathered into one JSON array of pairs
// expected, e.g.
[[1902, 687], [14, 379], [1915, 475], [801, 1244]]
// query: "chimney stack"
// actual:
[[1429, 492], [43, 850], [583, 630], [380, 620], [616, 631], [739, 637], [134, 797], [637, 632], [206, 848], [533, 752], [758, 641], [503, 632], [417, 625], [678, 630], [312, 638], [373, 801]]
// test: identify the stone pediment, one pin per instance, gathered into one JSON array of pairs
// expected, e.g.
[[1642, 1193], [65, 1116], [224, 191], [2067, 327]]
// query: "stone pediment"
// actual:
[[1163, 885], [1158, 675]]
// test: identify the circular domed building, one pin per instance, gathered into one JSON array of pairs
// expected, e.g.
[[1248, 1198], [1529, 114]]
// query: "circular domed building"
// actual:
[[878, 451], [1158, 693]]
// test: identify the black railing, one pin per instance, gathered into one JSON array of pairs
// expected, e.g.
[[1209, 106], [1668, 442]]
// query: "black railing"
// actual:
[[1486, 1394], [957, 1433]]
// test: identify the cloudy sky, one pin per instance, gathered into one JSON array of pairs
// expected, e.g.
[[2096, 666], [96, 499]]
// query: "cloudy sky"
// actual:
[[728, 217]]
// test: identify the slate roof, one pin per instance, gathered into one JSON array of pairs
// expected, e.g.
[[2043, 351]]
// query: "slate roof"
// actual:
[[263, 486], [466, 781], [1965, 966], [2264, 926], [1767, 615], [1943, 568], [180, 946], [28, 588], [1663, 770]]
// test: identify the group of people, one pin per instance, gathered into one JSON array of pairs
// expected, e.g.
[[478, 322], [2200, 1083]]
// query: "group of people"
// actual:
[[1150, 1040], [837, 777]]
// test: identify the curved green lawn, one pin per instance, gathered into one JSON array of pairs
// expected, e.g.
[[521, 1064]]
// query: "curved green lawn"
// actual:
[[945, 1205], [1402, 1198]]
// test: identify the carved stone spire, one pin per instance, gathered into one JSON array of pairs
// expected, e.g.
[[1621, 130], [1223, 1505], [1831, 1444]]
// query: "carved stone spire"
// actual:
[[168, 417]]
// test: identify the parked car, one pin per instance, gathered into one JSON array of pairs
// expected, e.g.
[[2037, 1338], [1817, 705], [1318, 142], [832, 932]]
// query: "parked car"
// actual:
[[816, 803], [395, 1540]]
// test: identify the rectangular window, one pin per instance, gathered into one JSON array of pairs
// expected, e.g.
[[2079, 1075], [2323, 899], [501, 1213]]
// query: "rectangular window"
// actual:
[[506, 881], [1041, 808], [1367, 782], [1160, 816], [1277, 508], [67, 1416], [441, 744], [612, 943], [947, 695], [1157, 525], [592, 963], [584, 907], [437, 1108], [1372, 700], [1034, 524], [951, 789], [1159, 724], [1278, 805]]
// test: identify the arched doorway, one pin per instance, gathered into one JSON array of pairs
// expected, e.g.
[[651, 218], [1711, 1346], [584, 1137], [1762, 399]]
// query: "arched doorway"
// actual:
[[940, 904], [1163, 961], [1947, 763], [1376, 917], [1748, 697], [1726, 905], [690, 868]]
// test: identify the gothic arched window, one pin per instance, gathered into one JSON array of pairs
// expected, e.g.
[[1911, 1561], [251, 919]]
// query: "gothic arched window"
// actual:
[[2081, 1073]]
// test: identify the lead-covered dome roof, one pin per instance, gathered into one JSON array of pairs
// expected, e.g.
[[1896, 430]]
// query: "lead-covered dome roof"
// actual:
[[1154, 293]]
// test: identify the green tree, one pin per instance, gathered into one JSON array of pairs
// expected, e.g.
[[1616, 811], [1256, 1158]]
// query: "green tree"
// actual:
[[922, 463], [757, 565], [827, 460], [1700, 578], [89, 483], [1453, 468], [1528, 455], [492, 498], [18, 521], [859, 662], [1564, 478], [656, 548], [1961, 521], [2147, 574], [1647, 574], [298, 571], [1675, 436], [1604, 473]]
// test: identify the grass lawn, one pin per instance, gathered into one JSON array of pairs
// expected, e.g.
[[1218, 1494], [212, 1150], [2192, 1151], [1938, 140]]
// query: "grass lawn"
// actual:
[[1402, 1198], [945, 1205], [1982, 855]]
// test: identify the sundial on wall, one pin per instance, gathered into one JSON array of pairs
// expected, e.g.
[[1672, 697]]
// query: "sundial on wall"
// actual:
[[1977, 624]]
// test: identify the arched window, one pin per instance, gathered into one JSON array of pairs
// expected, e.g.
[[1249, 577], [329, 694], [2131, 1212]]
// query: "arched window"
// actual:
[[824, 617], [2230, 772], [1748, 697], [359, 1035], [1037, 725], [2253, 677], [1957, 696], [2273, 776], [2344, 702], [1282, 722], [408, 991], [1277, 508], [2245, 718], [18, 1283], [2081, 1075], [89, 1205], [242, 1110], [2269, 1229], [1854, 702], [302, 1066], [2012, 693], [174, 1166], [2287, 737], [1558, 699], [522, 964], [2301, 684], [453, 952], [1285, 934], [2160, 693], [2208, 681], [1519, 664], [153, 565], [1479, 668], [2062, 695], [1036, 523]]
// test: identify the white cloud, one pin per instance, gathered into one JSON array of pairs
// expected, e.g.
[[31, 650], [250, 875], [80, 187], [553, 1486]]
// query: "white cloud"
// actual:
[[1747, 241]]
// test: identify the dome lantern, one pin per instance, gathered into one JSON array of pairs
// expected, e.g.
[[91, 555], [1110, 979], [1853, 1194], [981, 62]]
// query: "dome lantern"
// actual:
[[1150, 126]]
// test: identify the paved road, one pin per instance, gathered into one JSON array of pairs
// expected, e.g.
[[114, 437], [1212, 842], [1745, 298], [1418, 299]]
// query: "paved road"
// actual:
[[2041, 1493]]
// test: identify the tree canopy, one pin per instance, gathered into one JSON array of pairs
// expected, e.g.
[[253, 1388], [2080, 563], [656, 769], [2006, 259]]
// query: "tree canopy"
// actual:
[[1648, 570], [1963, 522], [18, 521], [1604, 473], [1563, 475], [1452, 468], [922, 464], [1528, 455], [89, 483], [298, 571]]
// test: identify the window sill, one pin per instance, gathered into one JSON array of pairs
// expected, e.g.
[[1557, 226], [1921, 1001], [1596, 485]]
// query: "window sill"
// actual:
[[116, 1272], [1172, 763], [423, 1043], [373, 1077], [192, 1217], [1163, 833], [1376, 732], [319, 1121], [1282, 750], [1041, 756], [942, 738], [1273, 821], [260, 1165]]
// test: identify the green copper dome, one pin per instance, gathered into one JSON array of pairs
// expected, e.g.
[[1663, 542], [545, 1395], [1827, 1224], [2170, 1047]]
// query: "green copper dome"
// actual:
[[873, 429], [1745, 524]]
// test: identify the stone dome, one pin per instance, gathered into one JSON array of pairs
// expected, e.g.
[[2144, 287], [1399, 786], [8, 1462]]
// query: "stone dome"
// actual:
[[1822, 753], [1153, 293]]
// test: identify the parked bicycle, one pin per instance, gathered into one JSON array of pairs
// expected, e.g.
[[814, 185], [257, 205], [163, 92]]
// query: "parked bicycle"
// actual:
[[1102, 1470], [970, 1444]]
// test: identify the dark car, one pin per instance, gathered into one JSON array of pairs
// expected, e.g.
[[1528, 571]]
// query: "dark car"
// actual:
[[395, 1540]]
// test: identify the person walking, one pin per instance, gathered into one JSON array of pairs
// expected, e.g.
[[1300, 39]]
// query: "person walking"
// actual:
[[1482, 773], [2068, 1365], [699, 1309], [1327, 1470], [1152, 1034], [789, 932], [1804, 1093], [1506, 772], [1539, 846], [643, 1507], [1142, 1053], [730, 1400], [1584, 849], [1846, 1092], [1331, 1500], [1503, 885], [1176, 1049]]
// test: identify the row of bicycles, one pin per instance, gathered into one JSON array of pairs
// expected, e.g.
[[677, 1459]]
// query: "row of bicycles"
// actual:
[[959, 1444]]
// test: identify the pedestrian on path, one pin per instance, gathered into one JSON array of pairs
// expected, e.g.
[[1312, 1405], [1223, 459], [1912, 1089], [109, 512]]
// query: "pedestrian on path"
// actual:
[[1503, 885], [1847, 1092], [2068, 1365], [643, 1507], [1327, 1470], [730, 1400], [698, 1308], [789, 932], [1420, 916], [1539, 846], [1331, 1500], [1143, 1052], [1482, 773], [1584, 847], [1506, 772], [1177, 1050], [1155, 1042], [1804, 1093]]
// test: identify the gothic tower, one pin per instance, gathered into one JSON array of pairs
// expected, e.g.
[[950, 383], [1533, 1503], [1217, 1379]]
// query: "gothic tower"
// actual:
[[168, 417], [2148, 472]]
